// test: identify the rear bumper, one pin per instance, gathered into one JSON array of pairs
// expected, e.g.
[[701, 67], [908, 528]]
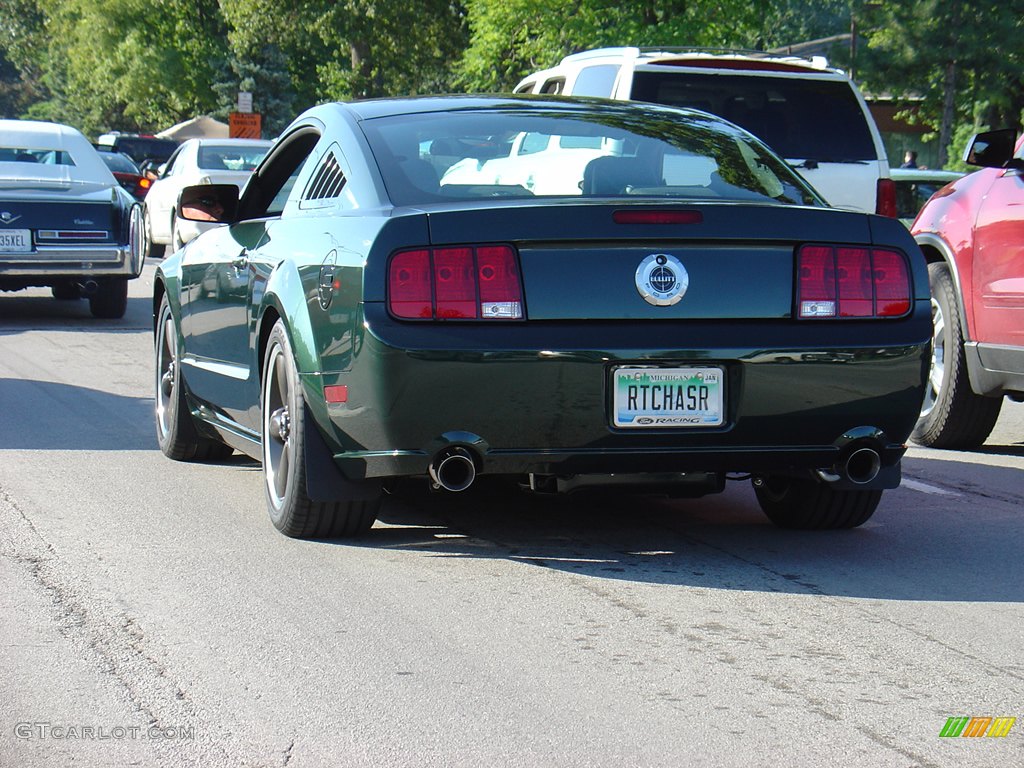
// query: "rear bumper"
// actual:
[[794, 402], [53, 263]]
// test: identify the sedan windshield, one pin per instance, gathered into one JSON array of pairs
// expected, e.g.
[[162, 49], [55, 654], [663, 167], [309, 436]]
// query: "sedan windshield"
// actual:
[[589, 152]]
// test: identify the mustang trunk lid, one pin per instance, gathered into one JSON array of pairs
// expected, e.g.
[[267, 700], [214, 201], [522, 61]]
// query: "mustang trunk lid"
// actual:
[[733, 262]]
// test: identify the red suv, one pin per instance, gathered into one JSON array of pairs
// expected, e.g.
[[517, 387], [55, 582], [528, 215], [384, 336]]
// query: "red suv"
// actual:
[[972, 234]]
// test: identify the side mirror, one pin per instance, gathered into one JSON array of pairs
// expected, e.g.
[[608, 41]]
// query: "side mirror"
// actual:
[[209, 202], [991, 149]]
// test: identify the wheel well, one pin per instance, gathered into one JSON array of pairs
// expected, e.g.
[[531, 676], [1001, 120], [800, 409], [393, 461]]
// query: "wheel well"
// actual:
[[159, 289], [932, 255], [270, 317]]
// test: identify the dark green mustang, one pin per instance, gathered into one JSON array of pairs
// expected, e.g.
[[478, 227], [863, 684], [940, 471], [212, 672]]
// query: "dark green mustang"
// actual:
[[573, 293]]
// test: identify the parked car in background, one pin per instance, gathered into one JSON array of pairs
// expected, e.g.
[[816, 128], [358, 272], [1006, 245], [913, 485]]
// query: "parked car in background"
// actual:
[[366, 317], [143, 150], [914, 186], [127, 173], [972, 234], [809, 113], [65, 222], [196, 161]]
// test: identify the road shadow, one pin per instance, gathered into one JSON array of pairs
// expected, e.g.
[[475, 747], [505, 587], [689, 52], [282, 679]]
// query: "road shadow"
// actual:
[[33, 310], [918, 546], [51, 416]]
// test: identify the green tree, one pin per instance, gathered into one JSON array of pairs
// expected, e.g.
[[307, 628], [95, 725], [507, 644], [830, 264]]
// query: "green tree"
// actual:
[[511, 38], [962, 59], [22, 49], [129, 64]]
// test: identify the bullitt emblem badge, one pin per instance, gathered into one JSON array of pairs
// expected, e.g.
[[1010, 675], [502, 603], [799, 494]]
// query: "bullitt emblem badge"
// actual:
[[662, 279]]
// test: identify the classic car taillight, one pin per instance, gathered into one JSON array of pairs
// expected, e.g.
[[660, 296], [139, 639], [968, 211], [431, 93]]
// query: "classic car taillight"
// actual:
[[850, 281], [456, 283], [885, 198]]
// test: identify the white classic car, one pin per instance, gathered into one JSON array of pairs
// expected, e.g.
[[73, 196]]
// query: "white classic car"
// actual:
[[65, 221]]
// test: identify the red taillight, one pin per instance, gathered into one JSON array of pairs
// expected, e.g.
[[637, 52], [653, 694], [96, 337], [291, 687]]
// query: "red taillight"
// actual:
[[816, 278], [885, 198], [851, 281], [410, 286], [455, 283], [892, 284], [853, 275], [500, 294]]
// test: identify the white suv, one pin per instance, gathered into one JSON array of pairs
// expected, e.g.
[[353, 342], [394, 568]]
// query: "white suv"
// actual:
[[809, 113]]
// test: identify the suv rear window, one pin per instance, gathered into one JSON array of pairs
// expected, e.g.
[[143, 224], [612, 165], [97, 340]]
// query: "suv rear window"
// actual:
[[140, 148], [806, 119]]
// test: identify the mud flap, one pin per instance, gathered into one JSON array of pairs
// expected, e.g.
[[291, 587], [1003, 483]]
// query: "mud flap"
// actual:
[[324, 481]]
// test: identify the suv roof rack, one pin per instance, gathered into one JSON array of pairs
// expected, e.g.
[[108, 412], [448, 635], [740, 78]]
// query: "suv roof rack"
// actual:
[[635, 52]]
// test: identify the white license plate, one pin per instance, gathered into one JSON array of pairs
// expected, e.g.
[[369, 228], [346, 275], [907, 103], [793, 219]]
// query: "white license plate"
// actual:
[[15, 241], [646, 398]]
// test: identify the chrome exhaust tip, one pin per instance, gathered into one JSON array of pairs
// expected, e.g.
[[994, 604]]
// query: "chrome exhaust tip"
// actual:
[[862, 466], [452, 469]]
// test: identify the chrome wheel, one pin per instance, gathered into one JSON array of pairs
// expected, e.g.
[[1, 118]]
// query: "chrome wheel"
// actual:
[[937, 370], [278, 443]]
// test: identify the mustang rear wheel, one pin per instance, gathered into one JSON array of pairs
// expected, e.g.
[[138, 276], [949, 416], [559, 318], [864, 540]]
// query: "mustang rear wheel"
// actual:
[[952, 415], [811, 505], [111, 299], [175, 430], [284, 461]]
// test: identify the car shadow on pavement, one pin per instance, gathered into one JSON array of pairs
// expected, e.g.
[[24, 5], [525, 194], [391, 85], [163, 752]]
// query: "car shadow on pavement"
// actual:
[[918, 546], [34, 312], [51, 416]]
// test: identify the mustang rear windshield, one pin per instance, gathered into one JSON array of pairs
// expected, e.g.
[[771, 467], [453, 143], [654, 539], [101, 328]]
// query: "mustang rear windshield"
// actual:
[[589, 153]]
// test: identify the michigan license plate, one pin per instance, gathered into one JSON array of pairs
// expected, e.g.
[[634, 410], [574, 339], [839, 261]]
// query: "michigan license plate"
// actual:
[[16, 241], [667, 397]]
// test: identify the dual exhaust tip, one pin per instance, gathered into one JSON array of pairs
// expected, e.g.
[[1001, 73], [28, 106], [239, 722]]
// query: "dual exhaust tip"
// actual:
[[453, 468]]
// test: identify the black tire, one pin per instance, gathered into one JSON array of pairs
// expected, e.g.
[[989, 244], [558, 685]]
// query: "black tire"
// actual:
[[176, 242], [152, 250], [111, 299], [952, 415], [284, 461], [809, 505], [175, 431], [66, 291]]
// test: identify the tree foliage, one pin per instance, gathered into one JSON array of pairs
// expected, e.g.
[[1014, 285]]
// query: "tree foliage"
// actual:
[[963, 60], [146, 64]]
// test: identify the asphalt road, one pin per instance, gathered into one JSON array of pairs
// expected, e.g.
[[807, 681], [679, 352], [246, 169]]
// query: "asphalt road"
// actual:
[[151, 615]]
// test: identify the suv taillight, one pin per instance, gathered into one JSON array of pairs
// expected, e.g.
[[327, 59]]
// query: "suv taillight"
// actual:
[[885, 198], [851, 281], [467, 282]]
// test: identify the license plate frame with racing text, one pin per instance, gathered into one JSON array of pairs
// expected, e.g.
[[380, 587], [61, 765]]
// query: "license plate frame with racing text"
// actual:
[[651, 397]]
